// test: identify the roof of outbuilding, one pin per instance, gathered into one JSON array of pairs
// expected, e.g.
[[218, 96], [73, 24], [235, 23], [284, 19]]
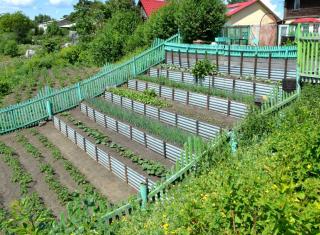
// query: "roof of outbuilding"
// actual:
[[151, 5]]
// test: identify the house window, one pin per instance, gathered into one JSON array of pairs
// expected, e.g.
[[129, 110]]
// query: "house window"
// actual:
[[316, 28], [296, 4]]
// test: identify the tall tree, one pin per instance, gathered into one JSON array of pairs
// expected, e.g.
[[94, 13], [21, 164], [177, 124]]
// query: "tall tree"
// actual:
[[89, 16], [16, 23], [200, 19], [42, 18]]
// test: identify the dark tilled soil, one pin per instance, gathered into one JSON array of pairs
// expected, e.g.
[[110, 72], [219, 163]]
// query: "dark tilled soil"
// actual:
[[9, 191], [201, 114], [32, 166], [62, 175], [111, 151], [108, 184], [135, 147]]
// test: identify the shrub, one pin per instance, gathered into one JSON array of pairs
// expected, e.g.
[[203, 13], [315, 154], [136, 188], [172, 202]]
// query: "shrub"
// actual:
[[203, 68], [200, 19], [70, 54], [4, 88], [10, 48]]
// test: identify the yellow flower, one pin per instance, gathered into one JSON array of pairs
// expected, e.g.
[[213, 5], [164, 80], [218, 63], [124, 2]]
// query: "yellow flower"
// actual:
[[165, 226], [309, 166]]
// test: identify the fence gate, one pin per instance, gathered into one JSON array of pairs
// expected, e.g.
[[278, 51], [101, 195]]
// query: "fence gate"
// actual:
[[309, 55]]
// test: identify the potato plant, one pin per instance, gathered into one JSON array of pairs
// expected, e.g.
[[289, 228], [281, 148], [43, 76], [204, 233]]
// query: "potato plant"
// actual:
[[150, 167]]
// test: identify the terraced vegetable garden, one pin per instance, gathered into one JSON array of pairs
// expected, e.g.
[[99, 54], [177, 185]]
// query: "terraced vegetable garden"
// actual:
[[94, 158]]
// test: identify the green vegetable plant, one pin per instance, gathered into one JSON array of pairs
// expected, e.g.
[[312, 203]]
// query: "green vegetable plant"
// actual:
[[165, 132], [146, 97], [19, 175], [54, 184], [150, 167], [203, 68]]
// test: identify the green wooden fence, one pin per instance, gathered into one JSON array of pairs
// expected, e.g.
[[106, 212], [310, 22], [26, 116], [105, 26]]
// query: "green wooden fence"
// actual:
[[54, 101], [308, 54], [289, 52]]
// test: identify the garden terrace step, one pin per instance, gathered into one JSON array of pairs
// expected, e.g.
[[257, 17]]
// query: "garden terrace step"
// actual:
[[136, 148], [151, 142], [202, 129], [219, 109], [108, 184], [118, 146], [274, 69], [117, 164], [9, 191], [31, 165], [257, 88]]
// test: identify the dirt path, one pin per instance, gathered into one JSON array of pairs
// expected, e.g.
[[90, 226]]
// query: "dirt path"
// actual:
[[32, 166], [111, 151], [109, 185], [135, 147], [61, 174], [9, 191], [201, 114]]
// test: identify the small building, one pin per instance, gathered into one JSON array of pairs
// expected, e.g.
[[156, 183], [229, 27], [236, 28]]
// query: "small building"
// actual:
[[147, 7], [62, 23], [251, 22], [304, 12]]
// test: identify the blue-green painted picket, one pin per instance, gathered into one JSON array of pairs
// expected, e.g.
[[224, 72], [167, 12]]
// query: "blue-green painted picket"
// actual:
[[289, 52], [35, 110]]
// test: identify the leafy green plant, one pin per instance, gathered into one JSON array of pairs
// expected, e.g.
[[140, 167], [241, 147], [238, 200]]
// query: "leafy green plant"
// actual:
[[146, 97], [19, 175], [165, 132], [203, 68], [149, 166]]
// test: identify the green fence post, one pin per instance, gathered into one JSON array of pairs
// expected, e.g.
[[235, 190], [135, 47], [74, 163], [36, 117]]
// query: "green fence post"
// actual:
[[233, 141], [79, 92], [144, 195], [49, 109], [134, 71]]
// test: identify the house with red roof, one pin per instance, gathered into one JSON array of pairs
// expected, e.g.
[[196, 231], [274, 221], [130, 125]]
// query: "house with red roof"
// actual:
[[304, 12], [147, 7], [251, 22]]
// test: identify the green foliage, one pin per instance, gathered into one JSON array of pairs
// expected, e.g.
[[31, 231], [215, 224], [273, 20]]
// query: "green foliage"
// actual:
[[53, 29], [150, 167], [71, 54], [203, 68], [4, 88], [16, 23], [145, 97], [51, 45], [270, 186], [19, 175], [28, 216], [200, 89], [200, 19], [167, 133], [10, 48], [89, 16], [42, 18]]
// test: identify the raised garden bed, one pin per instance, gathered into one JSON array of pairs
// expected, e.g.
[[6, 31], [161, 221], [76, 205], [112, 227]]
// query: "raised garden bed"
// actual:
[[234, 85], [222, 107], [193, 126]]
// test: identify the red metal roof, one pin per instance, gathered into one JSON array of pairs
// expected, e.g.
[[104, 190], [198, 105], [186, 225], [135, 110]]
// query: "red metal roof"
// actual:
[[306, 20], [236, 7], [150, 6]]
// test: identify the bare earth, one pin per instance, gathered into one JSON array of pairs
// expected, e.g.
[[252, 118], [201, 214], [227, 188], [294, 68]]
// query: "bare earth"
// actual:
[[109, 185], [32, 166], [9, 191]]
